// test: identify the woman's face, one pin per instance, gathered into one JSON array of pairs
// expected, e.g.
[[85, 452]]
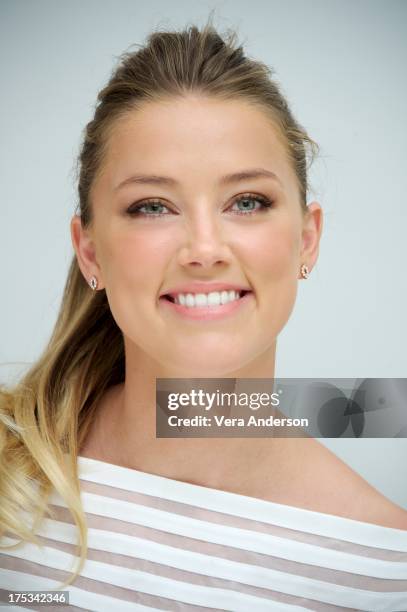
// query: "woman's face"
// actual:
[[199, 228]]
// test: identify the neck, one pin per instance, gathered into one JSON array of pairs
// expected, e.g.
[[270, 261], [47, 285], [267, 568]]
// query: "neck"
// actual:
[[126, 427]]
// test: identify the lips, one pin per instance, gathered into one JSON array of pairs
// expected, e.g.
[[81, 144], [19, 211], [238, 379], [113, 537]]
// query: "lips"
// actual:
[[206, 313]]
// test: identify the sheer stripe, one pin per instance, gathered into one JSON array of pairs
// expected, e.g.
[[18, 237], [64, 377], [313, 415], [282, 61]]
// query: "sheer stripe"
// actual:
[[160, 544], [234, 521], [310, 521], [240, 538]]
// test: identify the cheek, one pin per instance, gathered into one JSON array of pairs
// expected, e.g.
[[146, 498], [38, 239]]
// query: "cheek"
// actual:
[[274, 252], [135, 259], [276, 269], [134, 264]]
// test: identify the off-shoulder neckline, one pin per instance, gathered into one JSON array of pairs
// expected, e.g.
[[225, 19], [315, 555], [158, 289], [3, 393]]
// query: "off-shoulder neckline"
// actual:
[[285, 515]]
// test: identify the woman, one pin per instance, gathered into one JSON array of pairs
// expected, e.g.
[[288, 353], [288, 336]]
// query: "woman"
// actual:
[[193, 182]]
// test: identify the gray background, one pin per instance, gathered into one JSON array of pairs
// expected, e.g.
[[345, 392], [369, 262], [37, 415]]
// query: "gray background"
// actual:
[[342, 66]]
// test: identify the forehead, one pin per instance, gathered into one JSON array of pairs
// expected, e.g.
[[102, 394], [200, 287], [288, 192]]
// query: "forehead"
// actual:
[[195, 138]]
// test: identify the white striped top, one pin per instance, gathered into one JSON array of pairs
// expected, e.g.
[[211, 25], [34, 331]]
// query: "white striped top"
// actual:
[[161, 544]]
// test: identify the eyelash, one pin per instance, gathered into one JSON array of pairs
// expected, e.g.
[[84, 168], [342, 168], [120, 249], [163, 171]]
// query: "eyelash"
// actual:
[[134, 211]]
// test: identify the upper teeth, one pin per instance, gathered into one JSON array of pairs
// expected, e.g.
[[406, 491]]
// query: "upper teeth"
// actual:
[[215, 298]]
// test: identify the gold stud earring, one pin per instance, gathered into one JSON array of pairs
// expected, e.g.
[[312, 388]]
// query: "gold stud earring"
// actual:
[[304, 271]]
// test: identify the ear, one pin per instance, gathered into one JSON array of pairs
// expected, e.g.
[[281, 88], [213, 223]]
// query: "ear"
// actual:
[[311, 234], [85, 250]]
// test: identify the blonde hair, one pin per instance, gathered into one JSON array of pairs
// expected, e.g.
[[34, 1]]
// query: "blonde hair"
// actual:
[[45, 418]]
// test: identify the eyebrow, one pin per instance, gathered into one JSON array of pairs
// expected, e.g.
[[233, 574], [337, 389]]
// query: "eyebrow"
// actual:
[[228, 179]]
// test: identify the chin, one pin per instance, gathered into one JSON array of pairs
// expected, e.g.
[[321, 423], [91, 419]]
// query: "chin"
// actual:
[[208, 356]]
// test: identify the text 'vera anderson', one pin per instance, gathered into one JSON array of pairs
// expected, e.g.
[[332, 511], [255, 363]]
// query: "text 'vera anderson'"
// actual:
[[222, 421]]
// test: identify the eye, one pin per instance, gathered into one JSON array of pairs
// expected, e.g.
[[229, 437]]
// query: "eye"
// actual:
[[264, 202], [156, 206]]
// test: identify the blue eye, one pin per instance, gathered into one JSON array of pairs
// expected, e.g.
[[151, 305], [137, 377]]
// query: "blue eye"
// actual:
[[265, 203], [154, 205], [135, 210]]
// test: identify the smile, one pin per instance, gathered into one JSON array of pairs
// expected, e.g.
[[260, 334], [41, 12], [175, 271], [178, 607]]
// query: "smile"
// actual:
[[215, 298], [214, 305]]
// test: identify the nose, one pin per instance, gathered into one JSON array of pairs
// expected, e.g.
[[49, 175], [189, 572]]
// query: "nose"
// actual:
[[204, 244]]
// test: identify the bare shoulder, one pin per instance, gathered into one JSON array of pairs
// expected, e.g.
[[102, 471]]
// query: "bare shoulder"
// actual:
[[319, 480]]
